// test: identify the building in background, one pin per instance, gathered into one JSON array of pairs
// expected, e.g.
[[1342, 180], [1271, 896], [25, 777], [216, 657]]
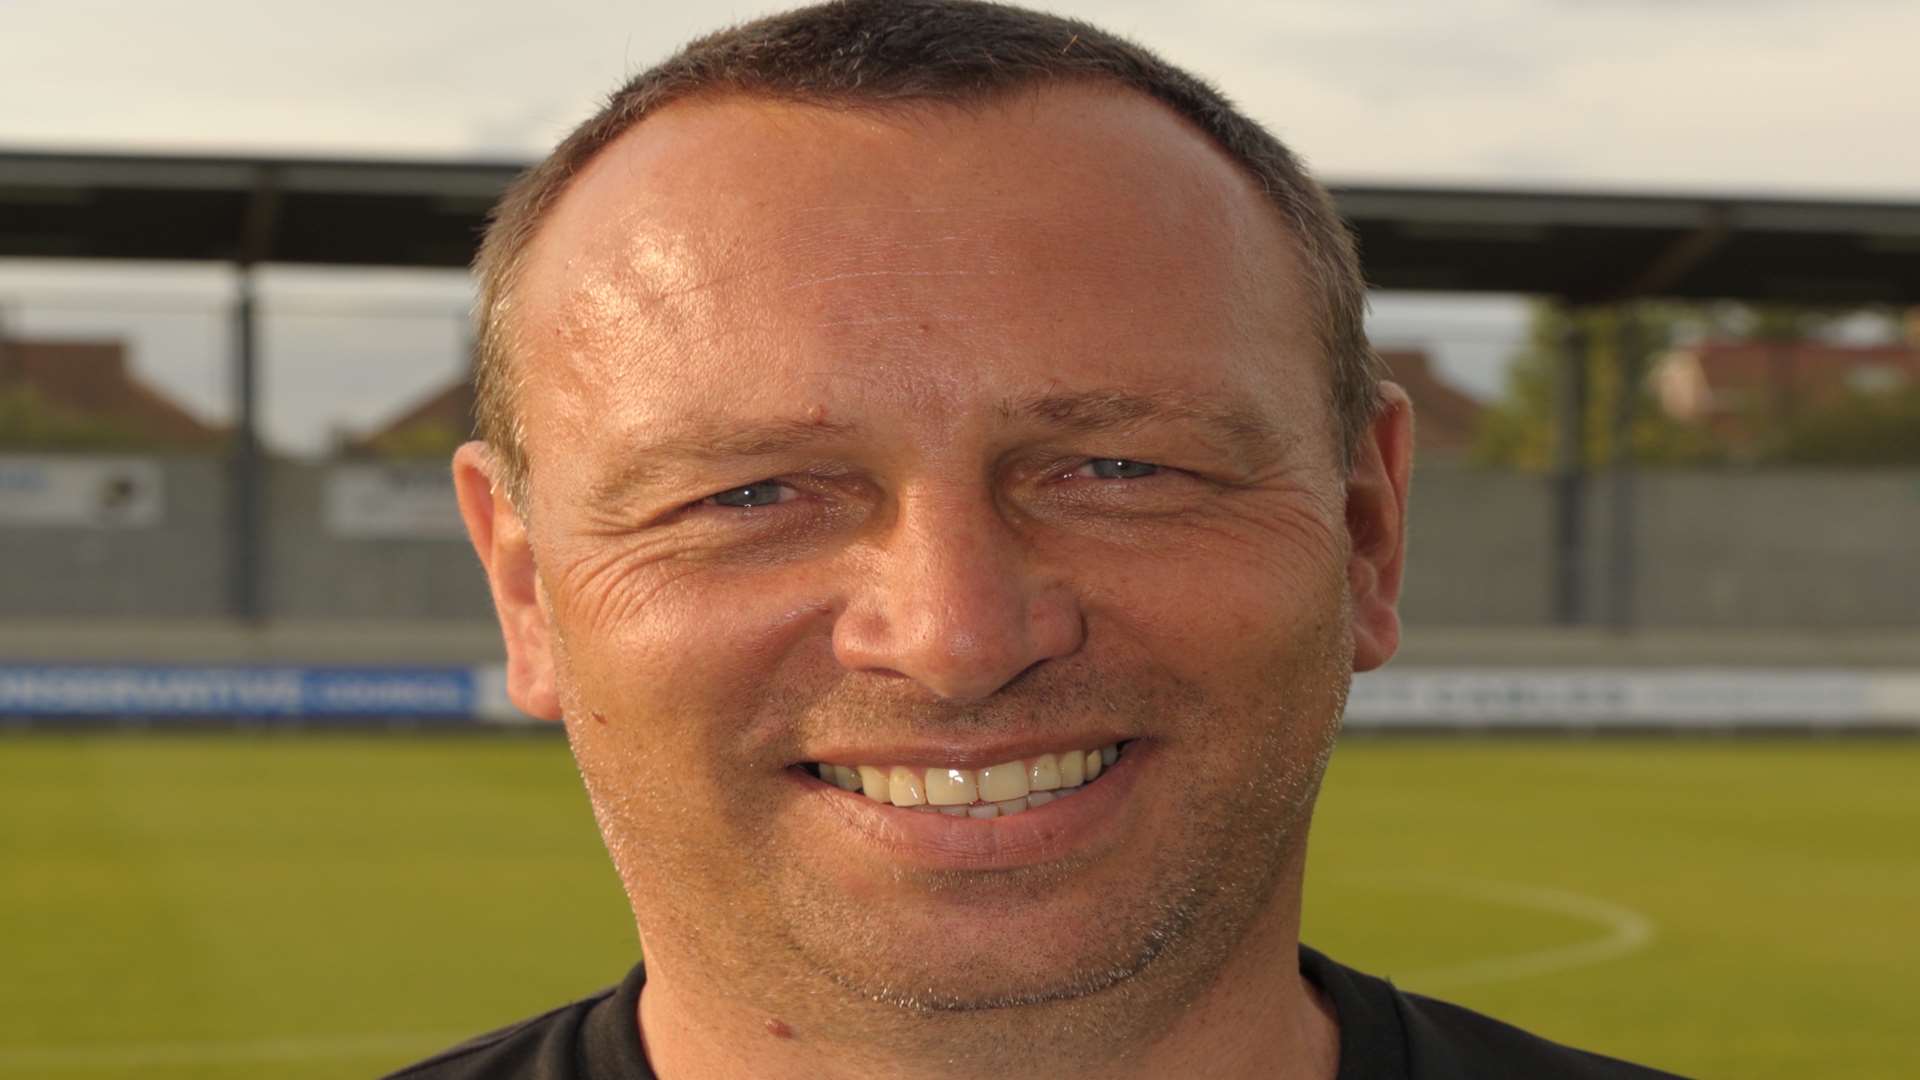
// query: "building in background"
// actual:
[[430, 428], [80, 395], [1444, 417], [1740, 389]]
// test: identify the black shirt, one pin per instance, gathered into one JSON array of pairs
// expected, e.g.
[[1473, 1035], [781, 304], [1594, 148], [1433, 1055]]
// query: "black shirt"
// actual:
[[1385, 1034]]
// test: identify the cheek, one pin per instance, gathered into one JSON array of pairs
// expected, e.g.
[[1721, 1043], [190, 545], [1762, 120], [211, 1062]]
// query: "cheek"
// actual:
[[1234, 599], [674, 714], [682, 656]]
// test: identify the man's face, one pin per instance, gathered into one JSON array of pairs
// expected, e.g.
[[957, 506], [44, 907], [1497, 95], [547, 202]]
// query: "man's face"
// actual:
[[932, 439]]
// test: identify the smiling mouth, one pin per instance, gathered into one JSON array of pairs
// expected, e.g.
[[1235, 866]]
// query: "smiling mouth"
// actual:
[[1002, 790]]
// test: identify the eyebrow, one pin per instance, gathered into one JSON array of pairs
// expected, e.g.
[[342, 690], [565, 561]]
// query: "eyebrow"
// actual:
[[715, 441], [1242, 429]]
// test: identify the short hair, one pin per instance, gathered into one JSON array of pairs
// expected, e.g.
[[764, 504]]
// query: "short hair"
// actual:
[[885, 52]]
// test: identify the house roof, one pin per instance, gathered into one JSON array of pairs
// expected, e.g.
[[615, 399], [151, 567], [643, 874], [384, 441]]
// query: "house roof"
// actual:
[[450, 407], [91, 378], [1444, 418]]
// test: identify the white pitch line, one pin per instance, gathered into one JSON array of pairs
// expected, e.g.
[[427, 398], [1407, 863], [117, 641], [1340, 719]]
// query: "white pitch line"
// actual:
[[213, 1052], [1627, 932]]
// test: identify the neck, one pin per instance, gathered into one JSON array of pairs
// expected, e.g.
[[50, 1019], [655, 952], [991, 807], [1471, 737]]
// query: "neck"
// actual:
[[1253, 1016]]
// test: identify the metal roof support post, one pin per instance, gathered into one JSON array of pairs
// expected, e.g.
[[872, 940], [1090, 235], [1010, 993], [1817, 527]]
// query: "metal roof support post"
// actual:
[[1570, 474], [246, 468], [243, 460], [1630, 344]]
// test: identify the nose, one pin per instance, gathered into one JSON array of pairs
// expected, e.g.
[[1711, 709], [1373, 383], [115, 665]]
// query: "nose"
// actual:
[[956, 599]]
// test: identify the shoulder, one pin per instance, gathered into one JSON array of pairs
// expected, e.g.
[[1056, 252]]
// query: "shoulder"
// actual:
[[540, 1048], [1388, 1033], [1453, 1041], [593, 1036]]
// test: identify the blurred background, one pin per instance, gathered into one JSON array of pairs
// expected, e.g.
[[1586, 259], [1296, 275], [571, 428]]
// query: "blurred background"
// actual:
[[1642, 777]]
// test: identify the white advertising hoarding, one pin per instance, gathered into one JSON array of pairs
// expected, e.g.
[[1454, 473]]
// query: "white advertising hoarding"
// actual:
[[392, 501], [1612, 697], [47, 491]]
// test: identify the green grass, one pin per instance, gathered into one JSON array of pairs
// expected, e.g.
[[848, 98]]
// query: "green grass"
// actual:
[[1781, 880], [308, 906]]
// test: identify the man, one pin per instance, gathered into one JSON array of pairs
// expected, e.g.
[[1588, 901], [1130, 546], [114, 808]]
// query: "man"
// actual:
[[934, 467]]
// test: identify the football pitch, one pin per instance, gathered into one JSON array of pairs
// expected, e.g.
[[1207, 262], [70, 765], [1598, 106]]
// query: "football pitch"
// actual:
[[232, 905]]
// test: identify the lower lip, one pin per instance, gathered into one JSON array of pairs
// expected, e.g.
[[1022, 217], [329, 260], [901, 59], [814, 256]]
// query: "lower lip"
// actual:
[[1062, 828]]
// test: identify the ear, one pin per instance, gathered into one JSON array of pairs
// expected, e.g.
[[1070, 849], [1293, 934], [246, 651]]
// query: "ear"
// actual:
[[1377, 527], [500, 539]]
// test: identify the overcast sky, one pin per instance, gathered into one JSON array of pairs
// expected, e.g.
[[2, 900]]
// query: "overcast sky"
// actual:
[[1789, 96], [1792, 95]]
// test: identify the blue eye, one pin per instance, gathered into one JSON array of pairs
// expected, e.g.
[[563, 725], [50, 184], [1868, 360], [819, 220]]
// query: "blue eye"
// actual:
[[763, 493], [1121, 468]]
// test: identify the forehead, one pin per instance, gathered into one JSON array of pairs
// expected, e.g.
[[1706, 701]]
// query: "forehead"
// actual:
[[1036, 237]]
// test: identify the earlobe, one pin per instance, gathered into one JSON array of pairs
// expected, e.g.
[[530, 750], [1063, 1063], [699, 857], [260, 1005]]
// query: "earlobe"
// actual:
[[1377, 488], [500, 539]]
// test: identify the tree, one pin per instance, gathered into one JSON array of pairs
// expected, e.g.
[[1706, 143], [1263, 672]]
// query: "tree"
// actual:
[[1522, 431], [1859, 429]]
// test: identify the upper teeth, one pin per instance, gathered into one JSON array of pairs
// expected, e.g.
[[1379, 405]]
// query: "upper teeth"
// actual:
[[1006, 788]]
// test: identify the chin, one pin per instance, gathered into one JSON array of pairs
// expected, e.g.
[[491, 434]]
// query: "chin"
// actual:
[[1046, 936]]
